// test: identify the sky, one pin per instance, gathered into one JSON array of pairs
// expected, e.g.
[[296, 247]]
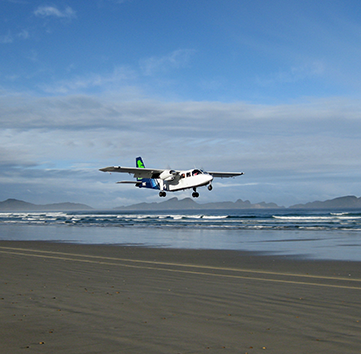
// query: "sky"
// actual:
[[269, 88]]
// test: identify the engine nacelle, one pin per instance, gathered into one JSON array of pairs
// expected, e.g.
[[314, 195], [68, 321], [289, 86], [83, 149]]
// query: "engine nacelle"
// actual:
[[168, 175]]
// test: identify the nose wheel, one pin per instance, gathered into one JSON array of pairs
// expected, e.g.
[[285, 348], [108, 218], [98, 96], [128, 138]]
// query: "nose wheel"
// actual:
[[210, 187]]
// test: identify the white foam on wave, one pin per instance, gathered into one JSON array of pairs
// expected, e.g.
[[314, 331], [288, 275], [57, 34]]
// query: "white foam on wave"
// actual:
[[302, 217], [316, 218]]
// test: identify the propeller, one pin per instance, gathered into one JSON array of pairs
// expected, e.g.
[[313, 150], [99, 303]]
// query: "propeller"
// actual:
[[168, 175]]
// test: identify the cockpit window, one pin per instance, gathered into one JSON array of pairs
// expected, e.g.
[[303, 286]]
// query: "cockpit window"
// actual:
[[196, 172]]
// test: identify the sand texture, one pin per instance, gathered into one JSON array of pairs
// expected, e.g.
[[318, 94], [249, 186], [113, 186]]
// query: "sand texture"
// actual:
[[67, 298]]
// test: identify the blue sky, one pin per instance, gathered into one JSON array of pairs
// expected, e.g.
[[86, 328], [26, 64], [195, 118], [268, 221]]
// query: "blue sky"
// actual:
[[270, 88]]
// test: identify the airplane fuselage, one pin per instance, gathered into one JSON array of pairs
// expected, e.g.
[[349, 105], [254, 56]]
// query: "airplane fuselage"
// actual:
[[184, 180], [191, 182]]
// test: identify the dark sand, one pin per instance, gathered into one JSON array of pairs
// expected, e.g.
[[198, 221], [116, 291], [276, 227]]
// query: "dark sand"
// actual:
[[63, 298]]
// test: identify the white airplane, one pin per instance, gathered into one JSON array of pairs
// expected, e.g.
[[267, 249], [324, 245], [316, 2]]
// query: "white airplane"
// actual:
[[169, 180]]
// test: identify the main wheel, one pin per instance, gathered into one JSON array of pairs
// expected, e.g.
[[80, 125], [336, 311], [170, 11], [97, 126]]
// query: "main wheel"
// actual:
[[162, 194], [195, 194]]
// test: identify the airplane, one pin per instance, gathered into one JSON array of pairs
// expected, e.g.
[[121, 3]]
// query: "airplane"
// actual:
[[167, 179]]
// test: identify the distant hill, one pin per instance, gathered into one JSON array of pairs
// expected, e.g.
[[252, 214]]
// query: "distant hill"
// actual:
[[190, 204], [348, 202], [19, 205]]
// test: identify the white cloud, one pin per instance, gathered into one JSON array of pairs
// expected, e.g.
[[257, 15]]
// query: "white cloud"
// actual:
[[175, 60], [9, 37], [294, 74], [6, 38], [46, 11], [24, 34], [119, 77]]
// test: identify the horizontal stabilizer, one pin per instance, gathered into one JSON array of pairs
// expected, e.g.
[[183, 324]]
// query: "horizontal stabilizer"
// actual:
[[225, 174], [130, 182]]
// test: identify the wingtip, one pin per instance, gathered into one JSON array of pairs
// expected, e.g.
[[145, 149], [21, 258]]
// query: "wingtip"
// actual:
[[109, 169], [106, 169]]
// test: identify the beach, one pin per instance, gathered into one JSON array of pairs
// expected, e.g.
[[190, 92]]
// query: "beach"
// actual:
[[77, 298]]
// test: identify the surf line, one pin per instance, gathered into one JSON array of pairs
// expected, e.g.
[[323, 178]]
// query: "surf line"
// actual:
[[58, 257]]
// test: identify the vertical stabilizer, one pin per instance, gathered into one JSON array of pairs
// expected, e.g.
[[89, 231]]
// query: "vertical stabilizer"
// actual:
[[146, 182], [139, 162]]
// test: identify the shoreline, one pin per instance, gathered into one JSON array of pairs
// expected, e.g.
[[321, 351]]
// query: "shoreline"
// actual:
[[310, 245], [76, 298]]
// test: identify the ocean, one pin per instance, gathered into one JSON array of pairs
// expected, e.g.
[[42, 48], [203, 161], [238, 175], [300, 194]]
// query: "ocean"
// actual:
[[313, 234]]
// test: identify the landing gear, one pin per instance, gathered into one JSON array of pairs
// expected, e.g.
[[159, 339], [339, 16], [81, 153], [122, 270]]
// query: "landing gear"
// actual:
[[210, 187], [162, 194], [195, 194]]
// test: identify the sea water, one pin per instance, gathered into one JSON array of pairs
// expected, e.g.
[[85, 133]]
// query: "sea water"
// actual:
[[317, 234]]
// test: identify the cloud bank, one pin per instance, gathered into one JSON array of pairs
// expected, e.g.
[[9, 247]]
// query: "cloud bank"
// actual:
[[284, 148]]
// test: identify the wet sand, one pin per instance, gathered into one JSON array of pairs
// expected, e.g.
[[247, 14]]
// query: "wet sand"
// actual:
[[68, 298]]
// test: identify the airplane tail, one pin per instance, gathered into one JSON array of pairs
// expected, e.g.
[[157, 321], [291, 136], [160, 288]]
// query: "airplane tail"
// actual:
[[145, 182]]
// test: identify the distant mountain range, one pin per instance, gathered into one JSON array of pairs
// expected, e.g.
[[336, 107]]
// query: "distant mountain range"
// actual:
[[347, 202], [189, 204], [19, 205]]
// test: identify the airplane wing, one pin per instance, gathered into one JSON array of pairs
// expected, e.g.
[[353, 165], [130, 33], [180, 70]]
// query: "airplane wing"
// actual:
[[155, 173], [136, 171], [225, 174]]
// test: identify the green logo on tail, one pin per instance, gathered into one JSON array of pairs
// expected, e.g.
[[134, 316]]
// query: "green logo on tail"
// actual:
[[140, 164]]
